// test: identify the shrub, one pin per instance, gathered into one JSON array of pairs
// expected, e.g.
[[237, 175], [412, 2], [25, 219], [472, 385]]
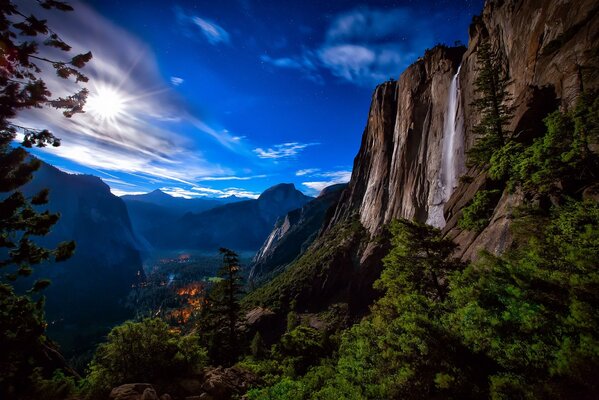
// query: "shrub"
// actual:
[[476, 215], [145, 351]]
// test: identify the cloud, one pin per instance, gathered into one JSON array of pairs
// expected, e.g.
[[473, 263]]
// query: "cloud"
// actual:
[[213, 32], [231, 178], [210, 30], [119, 192], [284, 150], [206, 192], [333, 177], [306, 63], [366, 46], [233, 191], [142, 136], [307, 171], [176, 81]]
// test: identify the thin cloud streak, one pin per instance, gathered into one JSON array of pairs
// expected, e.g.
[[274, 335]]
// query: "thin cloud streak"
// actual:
[[283, 150], [334, 177]]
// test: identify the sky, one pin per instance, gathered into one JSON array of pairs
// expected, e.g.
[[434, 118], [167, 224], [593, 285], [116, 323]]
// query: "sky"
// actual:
[[212, 98]]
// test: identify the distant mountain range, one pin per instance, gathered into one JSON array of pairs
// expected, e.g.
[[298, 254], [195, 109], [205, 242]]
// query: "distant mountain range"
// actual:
[[158, 209], [241, 225]]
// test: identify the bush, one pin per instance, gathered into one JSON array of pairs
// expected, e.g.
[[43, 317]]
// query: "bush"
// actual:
[[145, 351], [476, 215]]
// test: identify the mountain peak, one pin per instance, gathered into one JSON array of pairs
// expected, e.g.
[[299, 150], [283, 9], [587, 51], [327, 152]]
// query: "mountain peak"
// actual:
[[280, 191], [158, 192]]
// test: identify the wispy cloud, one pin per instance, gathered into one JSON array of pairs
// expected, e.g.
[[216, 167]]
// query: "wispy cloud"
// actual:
[[284, 150], [232, 191], [176, 81], [208, 29], [120, 192], [200, 191], [330, 178], [366, 46], [306, 63], [307, 171], [231, 178], [213, 32], [143, 136]]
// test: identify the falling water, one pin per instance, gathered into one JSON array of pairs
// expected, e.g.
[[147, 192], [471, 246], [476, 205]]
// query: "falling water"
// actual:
[[452, 157]]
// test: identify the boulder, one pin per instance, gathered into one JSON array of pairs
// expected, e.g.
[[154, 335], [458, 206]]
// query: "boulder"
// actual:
[[223, 383], [133, 391]]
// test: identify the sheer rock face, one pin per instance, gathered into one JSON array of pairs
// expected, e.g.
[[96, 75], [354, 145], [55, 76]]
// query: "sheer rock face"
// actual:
[[399, 158], [548, 48], [292, 234]]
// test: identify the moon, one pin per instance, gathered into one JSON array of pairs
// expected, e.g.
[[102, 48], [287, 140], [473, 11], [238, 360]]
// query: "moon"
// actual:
[[105, 103]]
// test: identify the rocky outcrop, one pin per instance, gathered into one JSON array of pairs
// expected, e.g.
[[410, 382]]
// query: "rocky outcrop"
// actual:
[[224, 383], [214, 383], [292, 235]]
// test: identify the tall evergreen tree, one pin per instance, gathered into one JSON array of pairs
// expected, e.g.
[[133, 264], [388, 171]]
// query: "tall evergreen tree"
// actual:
[[491, 87], [25, 40], [222, 313]]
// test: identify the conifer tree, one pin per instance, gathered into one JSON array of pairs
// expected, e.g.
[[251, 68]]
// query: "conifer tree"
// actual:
[[25, 41], [491, 87], [221, 315]]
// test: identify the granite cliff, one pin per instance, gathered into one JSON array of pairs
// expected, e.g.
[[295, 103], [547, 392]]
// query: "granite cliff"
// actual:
[[406, 168], [292, 234]]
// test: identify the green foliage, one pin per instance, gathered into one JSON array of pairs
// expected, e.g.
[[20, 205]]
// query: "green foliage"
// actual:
[[257, 346], [296, 283], [523, 325], [561, 160], [146, 351], [23, 344], [491, 88], [22, 336], [476, 215], [300, 348], [534, 311], [219, 323], [58, 387]]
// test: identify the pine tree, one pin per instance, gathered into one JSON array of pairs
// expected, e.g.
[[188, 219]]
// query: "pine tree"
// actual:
[[491, 86], [25, 39], [219, 323], [21, 87]]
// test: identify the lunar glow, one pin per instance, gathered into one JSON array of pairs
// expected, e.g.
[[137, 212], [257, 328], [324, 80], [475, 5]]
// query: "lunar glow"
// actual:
[[105, 103]]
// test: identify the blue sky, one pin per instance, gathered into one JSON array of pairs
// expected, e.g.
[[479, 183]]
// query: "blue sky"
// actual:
[[213, 98]]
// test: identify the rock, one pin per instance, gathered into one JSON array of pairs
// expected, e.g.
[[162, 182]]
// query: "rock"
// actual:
[[132, 391], [591, 193], [166, 396], [292, 235], [190, 385], [223, 383], [149, 394]]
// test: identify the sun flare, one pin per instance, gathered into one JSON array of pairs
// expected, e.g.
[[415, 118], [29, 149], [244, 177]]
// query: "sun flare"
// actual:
[[105, 103]]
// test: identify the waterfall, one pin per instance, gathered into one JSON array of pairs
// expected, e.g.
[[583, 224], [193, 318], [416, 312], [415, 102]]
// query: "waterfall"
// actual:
[[452, 156]]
